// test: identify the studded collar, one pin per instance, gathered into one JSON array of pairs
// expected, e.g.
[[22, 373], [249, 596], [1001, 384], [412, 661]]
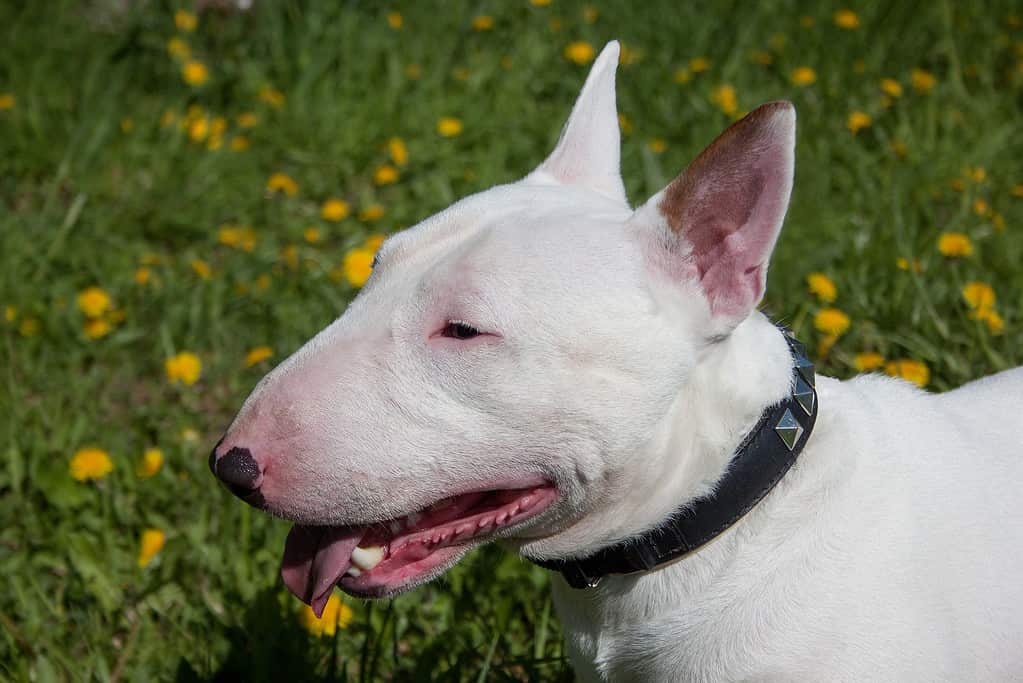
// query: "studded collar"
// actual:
[[764, 456]]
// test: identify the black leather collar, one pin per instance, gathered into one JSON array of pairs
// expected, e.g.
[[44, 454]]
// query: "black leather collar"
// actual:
[[764, 456]]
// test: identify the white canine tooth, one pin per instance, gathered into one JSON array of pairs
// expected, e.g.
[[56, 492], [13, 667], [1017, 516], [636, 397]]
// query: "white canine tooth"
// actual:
[[352, 571], [367, 558]]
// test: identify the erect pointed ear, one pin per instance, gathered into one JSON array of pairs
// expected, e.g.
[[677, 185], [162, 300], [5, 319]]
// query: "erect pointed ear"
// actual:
[[589, 149], [725, 211]]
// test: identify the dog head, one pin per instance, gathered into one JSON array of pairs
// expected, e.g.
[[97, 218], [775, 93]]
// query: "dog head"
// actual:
[[516, 364]]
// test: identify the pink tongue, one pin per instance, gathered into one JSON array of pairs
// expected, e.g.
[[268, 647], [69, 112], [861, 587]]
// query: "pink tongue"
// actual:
[[315, 558]]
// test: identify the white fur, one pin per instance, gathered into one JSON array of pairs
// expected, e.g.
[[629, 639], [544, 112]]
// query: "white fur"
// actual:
[[890, 551]]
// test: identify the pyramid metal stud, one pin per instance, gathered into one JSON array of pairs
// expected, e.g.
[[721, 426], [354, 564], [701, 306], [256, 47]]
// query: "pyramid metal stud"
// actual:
[[788, 429], [804, 395], [805, 369]]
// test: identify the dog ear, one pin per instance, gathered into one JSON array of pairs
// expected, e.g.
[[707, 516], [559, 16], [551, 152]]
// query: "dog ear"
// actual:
[[724, 212], [588, 152]]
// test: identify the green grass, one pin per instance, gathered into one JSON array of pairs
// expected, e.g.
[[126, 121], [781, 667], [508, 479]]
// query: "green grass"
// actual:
[[83, 201]]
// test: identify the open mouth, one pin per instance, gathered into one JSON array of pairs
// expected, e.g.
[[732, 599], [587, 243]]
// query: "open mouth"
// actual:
[[383, 558]]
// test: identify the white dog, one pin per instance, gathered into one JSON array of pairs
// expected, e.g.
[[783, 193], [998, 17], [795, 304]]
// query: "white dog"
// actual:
[[544, 364]]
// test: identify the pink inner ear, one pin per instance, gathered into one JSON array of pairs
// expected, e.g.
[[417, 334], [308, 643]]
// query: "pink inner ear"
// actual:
[[729, 206]]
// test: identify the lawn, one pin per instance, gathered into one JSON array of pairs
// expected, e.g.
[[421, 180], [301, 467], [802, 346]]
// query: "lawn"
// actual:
[[185, 198]]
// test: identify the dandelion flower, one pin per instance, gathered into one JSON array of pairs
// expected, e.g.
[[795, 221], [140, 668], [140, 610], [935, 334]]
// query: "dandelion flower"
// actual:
[[699, 64], [763, 57], [580, 52], [385, 175], [847, 19], [185, 21], [590, 14], [857, 121], [178, 48], [954, 244], [152, 461], [449, 126], [94, 302], [91, 464], [540, 3], [483, 22], [312, 234], [184, 367], [10, 313], [803, 76], [923, 81], [247, 120], [150, 544], [6, 101], [334, 210], [916, 372], [374, 241], [357, 266], [201, 268], [371, 213], [96, 328], [281, 182], [195, 72], [657, 145], [981, 207], [724, 98], [683, 76], [257, 355], [865, 362], [624, 124], [891, 87], [831, 321], [28, 327], [979, 294], [990, 316], [398, 151], [822, 286], [272, 96], [395, 20], [336, 614], [239, 143]]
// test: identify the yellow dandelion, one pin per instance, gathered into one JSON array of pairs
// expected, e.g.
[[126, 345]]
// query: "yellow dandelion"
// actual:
[[272, 96], [168, 118], [683, 75], [725, 99], [198, 129], [923, 81], [763, 57], [94, 302], [195, 72], [96, 328], [803, 76], [239, 143], [143, 275], [540, 3], [10, 313], [699, 64], [150, 545], [201, 268], [247, 120], [386, 175], [152, 461], [865, 362], [846, 18], [977, 174], [257, 355], [28, 327], [184, 367], [395, 20], [178, 48], [857, 121], [590, 14], [373, 242], [657, 145], [281, 182], [371, 213], [916, 372], [289, 254], [263, 282], [979, 294], [822, 286], [336, 615], [449, 126], [891, 87], [6, 101], [91, 464], [334, 210], [954, 244], [357, 266], [824, 345], [185, 21], [981, 207], [624, 124], [398, 151], [579, 52], [831, 321], [127, 124], [990, 316], [312, 234], [483, 22]]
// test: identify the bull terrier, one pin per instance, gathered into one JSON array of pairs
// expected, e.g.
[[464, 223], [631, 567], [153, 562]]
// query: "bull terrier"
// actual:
[[593, 384]]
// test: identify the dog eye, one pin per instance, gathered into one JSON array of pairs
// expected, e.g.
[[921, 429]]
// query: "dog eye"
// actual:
[[459, 330]]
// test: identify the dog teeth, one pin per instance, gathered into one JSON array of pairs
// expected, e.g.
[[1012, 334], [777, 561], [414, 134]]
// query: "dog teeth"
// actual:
[[352, 571], [367, 558]]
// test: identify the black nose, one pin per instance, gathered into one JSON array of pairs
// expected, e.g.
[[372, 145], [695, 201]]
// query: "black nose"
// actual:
[[238, 469]]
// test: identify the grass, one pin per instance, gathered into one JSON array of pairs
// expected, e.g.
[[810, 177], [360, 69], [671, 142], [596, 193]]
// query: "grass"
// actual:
[[95, 183]]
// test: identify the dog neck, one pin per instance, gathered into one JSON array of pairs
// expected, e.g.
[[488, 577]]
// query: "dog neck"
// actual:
[[746, 467]]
